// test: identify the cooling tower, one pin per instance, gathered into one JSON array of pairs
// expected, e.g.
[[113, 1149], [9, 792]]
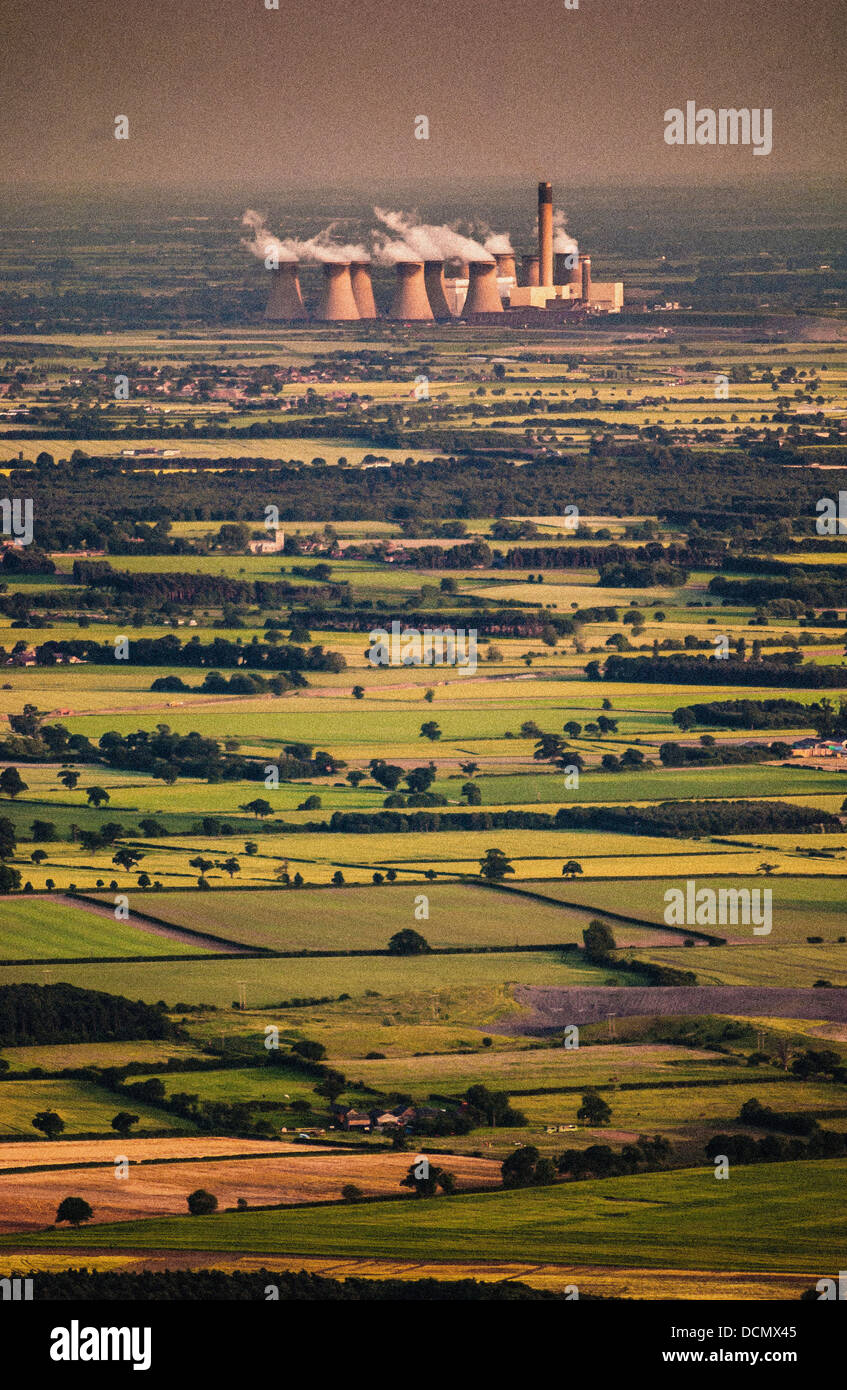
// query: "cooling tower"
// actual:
[[483, 294], [529, 270], [285, 300], [566, 268], [360, 279], [506, 265], [545, 233], [337, 302], [410, 298], [434, 281], [585, 268]]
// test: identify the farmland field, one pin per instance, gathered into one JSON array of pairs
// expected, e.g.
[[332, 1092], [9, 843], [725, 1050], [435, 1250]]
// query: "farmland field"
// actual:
[[679, 1220], [360, 931], [29, 1201], [362, 919], [45, 930]]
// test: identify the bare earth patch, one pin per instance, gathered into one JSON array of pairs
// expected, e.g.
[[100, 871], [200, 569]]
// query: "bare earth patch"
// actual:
[[554, 1008]]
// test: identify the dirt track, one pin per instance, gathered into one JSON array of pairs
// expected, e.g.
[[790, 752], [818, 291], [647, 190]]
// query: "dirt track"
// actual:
[[553, 1009]]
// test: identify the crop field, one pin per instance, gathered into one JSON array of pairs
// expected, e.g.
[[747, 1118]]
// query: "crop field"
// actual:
[[44, 930], [772, 965], [22, 1155], [84, 1107], [270, 981], [801, 907], [789, 1214], [528, 1069], [69, 1056], [352, 962], [363, 919], [29, 1201]]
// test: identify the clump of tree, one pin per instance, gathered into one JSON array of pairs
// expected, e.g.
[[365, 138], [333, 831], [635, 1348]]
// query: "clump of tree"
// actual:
[[408, 943], [526, 1167], [201, 1202]]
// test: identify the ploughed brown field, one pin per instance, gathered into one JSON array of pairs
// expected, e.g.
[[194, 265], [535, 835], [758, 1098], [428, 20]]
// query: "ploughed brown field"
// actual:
[[28, 1201]]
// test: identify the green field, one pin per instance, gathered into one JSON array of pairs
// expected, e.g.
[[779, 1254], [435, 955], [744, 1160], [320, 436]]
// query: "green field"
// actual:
[[460, 915], [533, 1067], [270, 981], [84, 1107], [772, 965], [801, 907], [789, 1213], [38, 929]]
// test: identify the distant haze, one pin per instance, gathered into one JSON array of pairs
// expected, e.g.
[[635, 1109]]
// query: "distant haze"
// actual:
[[318, 94]]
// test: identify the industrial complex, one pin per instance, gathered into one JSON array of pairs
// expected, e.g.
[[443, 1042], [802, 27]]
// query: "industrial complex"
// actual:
[[480, 286]]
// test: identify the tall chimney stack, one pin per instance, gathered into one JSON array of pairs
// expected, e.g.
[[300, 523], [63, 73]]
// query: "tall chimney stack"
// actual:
[[363, 293], [434, 281], [410, 300], [585, 268], [337, 302], [506, 265], [529, 270], [545, 233], [285, 300], [483, 294]]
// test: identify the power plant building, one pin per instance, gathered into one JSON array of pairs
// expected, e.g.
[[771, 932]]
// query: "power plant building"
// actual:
[[550, 286]]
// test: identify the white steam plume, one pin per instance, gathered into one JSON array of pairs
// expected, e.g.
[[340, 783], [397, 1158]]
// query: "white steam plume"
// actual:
[[388, 252], [429, 243], [316, 249], [498, 243], [563, 244]]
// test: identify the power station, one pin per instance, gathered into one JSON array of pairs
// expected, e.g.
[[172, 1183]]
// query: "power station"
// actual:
[[555, 285]]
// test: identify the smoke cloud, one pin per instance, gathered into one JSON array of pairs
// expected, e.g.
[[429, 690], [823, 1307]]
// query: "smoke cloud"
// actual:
[[562, 243], [315, 250], [429, 243], [499, 244]]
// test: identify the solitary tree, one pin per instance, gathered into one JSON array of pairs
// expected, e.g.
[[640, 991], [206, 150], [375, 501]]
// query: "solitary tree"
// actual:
[[201, 1202], [599, 940], [123, 1122], [571, 868], [594, 1110], [11, 782], [97, 796], [69, 778], [430, 730], [127, 858], [259, 807], [408, 943], [49, 1123], [75, 1210], [230, 865], [495, 865], [426, 1178]]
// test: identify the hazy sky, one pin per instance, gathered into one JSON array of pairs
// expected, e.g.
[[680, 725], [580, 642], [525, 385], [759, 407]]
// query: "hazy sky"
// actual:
[[326, 91]]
